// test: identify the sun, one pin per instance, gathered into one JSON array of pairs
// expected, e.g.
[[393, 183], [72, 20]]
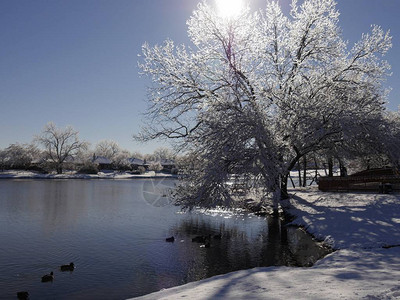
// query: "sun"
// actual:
[[229, 8]]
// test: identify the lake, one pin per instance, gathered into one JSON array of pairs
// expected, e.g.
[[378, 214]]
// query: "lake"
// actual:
[[114, 231]]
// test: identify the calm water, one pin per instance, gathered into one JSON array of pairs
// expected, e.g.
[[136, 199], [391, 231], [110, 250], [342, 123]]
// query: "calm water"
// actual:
[[114, 231]]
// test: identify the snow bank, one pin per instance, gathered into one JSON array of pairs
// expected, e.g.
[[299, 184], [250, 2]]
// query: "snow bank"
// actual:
[[343, 275], [359, 224], [349, 220]]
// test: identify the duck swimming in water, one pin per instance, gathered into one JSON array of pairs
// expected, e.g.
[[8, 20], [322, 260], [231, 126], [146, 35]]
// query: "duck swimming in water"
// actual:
[[23, 295], [170, 239], [69, 267], [48, 277]]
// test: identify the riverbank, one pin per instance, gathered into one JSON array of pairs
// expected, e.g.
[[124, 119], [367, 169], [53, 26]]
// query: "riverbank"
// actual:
[[12, 174], [364, 227]]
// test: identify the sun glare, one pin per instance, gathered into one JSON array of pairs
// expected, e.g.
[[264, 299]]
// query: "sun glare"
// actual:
[[229, 8]]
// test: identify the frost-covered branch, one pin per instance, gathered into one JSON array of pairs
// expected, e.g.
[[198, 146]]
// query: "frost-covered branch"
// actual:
[[257, 92]]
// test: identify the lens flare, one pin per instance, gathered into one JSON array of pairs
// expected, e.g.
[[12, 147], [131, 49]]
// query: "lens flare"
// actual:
[[229, 8]]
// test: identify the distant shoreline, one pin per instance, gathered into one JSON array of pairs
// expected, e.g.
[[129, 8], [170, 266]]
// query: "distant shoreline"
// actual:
[[10, 175]]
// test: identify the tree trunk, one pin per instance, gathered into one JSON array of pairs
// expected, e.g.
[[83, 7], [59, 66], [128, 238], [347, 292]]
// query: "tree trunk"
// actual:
[[284, 178], [316, 171], [284, 185], [330, 167], [304, 171], [299, 171], [59, 169], [343, 170], [291, 180]]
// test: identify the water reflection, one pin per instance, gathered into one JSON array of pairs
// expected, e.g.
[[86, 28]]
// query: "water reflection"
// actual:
[[271, 243], [117, 240]]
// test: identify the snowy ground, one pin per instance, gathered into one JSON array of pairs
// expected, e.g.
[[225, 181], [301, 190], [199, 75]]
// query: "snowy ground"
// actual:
[[358, 224], [68, 175]]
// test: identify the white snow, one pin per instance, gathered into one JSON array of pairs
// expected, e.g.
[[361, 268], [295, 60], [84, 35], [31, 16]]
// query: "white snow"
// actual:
[[358, 224], [352, 220]]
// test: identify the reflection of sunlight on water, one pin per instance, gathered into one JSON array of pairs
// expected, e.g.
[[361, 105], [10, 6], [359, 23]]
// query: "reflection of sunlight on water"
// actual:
[[223, 212], [382, 223]]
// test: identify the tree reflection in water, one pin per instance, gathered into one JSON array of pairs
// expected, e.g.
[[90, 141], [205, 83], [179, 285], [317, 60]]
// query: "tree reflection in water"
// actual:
[[274, 244]]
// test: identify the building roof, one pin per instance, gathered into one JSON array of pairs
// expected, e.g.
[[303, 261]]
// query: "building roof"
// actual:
[[135, 161], [376, 172], [101, 160]]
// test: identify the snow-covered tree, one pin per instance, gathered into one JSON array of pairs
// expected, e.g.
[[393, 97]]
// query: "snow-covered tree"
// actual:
[[19, 156], [107, 148], [3, 159], [258, 91], [392, 137], [111, 150], [159, 154], [162, 153], [137, 154], [120, 161], [155, 166], [60, 144], [376, 144]]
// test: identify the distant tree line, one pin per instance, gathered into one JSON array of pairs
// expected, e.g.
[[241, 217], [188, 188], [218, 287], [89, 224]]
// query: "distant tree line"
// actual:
[[57, 149]]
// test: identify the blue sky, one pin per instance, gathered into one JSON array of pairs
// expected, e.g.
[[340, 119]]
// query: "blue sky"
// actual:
[[74, 62]]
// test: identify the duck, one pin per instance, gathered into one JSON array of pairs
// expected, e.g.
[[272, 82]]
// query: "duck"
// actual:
[[170, 239], [69, 267], [23, 295], [48, 277]]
